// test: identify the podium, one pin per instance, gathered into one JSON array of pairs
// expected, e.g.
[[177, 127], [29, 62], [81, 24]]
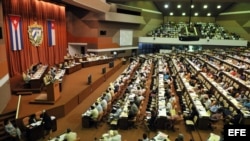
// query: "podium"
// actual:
[[53, 91], [53, 94]]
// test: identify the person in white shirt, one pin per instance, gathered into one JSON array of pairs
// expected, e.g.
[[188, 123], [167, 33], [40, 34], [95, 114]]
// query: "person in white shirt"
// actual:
[[70, 136], [168, 105], [115, 136], [207, 103], [104, 103], [15, 132], [99, 107]]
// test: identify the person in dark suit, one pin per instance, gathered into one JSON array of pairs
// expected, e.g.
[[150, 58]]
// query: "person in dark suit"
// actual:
[[32, 119], [47, 123], [154, 113], [236, 119]]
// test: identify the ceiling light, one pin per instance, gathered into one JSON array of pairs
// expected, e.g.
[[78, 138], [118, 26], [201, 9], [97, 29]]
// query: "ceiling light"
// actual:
[[192, 6], [171, 13], [218, 6], [196, 14], [205, 6], [166, 6], [183, 14], [179, 6], [208, 14]]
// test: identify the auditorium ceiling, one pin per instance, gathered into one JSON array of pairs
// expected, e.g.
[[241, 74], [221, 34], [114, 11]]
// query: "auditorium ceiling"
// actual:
[[182, 7], [200, 8]]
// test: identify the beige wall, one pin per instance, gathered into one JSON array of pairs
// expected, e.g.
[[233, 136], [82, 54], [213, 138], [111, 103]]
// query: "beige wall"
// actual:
[[236, 20], [5, 93], [87, 29]]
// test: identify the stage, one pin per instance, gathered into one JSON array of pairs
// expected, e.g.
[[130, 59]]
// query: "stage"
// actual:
[[74, 90]]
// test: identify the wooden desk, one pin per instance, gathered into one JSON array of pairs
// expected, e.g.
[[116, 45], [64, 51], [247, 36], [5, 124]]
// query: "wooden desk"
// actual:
[[96, 62], [34, 133], [36, 80], [73, 69], [86, 121]]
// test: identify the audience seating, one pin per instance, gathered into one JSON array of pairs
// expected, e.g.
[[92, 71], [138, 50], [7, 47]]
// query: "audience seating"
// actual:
[[191, 123], [98, 120]]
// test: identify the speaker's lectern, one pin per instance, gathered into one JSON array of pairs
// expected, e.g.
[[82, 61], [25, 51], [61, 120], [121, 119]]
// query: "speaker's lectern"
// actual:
[[53, 94], [53, 91]]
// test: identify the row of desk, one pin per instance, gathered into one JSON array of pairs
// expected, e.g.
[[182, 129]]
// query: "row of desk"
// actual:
[[220, 93], [79, 65], [35, 131], [122, 122]]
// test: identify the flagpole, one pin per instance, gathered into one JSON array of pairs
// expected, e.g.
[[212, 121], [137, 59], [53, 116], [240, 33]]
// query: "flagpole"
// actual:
[[38, 54]]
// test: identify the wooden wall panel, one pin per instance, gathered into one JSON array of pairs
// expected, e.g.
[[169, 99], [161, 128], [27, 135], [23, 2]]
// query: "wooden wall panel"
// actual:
[[4, 68]]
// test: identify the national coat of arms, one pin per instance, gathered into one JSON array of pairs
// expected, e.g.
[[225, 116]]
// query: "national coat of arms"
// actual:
[[35, 34]]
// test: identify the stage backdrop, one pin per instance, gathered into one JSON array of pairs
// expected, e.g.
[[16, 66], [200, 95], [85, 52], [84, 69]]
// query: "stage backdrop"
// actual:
[[35, 32]]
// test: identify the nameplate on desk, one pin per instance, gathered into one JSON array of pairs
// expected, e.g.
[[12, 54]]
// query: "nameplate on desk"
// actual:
[[236, 132]]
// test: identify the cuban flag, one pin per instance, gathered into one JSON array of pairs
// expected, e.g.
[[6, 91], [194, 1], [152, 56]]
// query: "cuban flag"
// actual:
[[51, 33], [16, 38]]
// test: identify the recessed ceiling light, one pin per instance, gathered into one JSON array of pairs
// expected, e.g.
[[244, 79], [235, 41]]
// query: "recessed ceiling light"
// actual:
[[208, 14], [171, 13], [218, 6], [166, 6], [196, 14], [179, 6], [205, 6], [192, 6], [183, 14]]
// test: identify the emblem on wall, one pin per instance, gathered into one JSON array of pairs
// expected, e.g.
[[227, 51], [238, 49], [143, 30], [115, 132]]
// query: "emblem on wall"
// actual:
[[35, 34]]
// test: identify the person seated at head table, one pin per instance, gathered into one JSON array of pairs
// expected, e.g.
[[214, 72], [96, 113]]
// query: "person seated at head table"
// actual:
[[53, 71]]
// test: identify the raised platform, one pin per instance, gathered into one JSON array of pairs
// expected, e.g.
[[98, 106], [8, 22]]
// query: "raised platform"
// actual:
[[75, 90], [19, 86]]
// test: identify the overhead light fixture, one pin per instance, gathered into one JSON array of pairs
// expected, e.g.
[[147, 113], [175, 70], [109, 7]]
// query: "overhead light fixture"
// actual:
[[183, 14], [166, 6], [208, 14], [205, 6], [190, 32], [218, 6], [192, 6], [171, 13], [179, 6], [196, 14]]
